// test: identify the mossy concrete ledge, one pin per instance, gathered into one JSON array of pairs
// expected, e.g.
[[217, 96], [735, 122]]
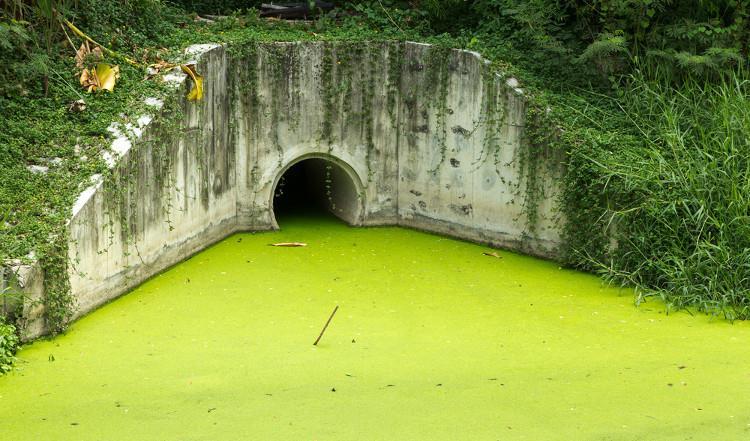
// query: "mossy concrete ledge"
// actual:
[[428, 137]]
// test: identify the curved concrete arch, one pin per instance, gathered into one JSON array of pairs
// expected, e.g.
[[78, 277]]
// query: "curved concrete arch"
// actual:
[[354, 178]]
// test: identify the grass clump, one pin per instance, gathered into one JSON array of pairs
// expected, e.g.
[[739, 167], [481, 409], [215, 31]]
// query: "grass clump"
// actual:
[[676, 204], [8, 346]]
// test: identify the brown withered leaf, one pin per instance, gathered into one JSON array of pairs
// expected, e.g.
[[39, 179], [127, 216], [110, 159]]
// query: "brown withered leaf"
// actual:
[[103, 77], [88, 80], [85, 52], [77, 106], [158, 67]]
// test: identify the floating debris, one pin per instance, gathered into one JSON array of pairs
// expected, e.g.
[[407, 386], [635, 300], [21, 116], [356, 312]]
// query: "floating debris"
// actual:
[[289, 244], [77, 106]]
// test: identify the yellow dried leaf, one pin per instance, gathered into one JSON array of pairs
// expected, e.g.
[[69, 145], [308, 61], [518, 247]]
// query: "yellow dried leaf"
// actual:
[[107, 75], [103, 77], [196, 92], [161, 65]]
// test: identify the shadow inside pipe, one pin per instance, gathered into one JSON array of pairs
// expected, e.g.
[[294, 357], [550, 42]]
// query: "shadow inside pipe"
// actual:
[[315, 188]]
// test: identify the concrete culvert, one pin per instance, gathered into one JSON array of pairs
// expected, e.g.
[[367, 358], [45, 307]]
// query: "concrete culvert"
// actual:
[[315, 186]]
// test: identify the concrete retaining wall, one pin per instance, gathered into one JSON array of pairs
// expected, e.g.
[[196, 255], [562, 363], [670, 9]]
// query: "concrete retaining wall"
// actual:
[[429, 137]]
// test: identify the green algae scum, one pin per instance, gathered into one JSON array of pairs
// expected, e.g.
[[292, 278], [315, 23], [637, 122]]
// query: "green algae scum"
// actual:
[[434, 340]]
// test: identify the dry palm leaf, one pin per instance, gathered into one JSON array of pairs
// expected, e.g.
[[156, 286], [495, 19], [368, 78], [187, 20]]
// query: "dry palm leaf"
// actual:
[[493, 254], [196, 92], [108, 76], [289, 244], [77, 106], [103, 77], [158, 67], [84, 51], [79, 33]]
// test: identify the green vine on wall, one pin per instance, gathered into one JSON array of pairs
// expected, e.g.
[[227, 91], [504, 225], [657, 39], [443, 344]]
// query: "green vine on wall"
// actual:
[[437, 85], [58, 301], [493, 118], [327, 94], [538, 158], [395, 60], [366, 114]]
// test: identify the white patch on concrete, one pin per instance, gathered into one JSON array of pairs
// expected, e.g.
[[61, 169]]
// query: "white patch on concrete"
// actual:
[[154, 102], [123, 134], [114, 129], [121, 145], [175, 77], [83, 198], [144, 120], [109, 159], [200, 49], [38, 169]]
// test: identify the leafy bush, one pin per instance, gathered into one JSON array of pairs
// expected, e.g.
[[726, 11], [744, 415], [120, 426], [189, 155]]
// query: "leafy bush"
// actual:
[[8, 346], [671, 203]]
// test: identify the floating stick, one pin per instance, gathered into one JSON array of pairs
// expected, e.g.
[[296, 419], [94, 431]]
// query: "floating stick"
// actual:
[[326, 325]]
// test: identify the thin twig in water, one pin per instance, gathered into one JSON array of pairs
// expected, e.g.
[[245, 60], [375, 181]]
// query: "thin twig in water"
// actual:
[[326, 325]]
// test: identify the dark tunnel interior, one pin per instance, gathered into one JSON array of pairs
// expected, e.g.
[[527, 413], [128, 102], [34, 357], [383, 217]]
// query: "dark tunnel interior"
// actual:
[[315, 187]]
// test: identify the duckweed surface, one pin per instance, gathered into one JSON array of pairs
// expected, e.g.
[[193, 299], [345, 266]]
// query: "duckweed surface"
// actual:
[[433, 341]]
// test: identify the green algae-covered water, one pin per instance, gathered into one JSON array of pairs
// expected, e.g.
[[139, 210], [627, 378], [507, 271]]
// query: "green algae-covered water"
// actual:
[[433, 341]]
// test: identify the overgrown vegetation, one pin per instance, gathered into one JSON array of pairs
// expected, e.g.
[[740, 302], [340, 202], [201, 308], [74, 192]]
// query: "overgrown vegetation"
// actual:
[[8, 346], [645, 100], [671, 201]]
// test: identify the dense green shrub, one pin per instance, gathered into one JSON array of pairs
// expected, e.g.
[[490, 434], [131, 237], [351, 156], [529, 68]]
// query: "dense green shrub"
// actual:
[[8, 346], [677, 203]]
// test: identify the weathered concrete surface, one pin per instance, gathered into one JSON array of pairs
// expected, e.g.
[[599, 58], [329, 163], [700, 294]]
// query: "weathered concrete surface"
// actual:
[[171, 194], [428, 138], [459, 154], [313, 99]]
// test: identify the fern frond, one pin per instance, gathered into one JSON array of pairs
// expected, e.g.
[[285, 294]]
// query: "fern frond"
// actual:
[[606, 46]]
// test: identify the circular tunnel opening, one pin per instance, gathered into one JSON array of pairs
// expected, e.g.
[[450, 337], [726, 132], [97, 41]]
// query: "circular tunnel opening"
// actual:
[[317, 187]]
